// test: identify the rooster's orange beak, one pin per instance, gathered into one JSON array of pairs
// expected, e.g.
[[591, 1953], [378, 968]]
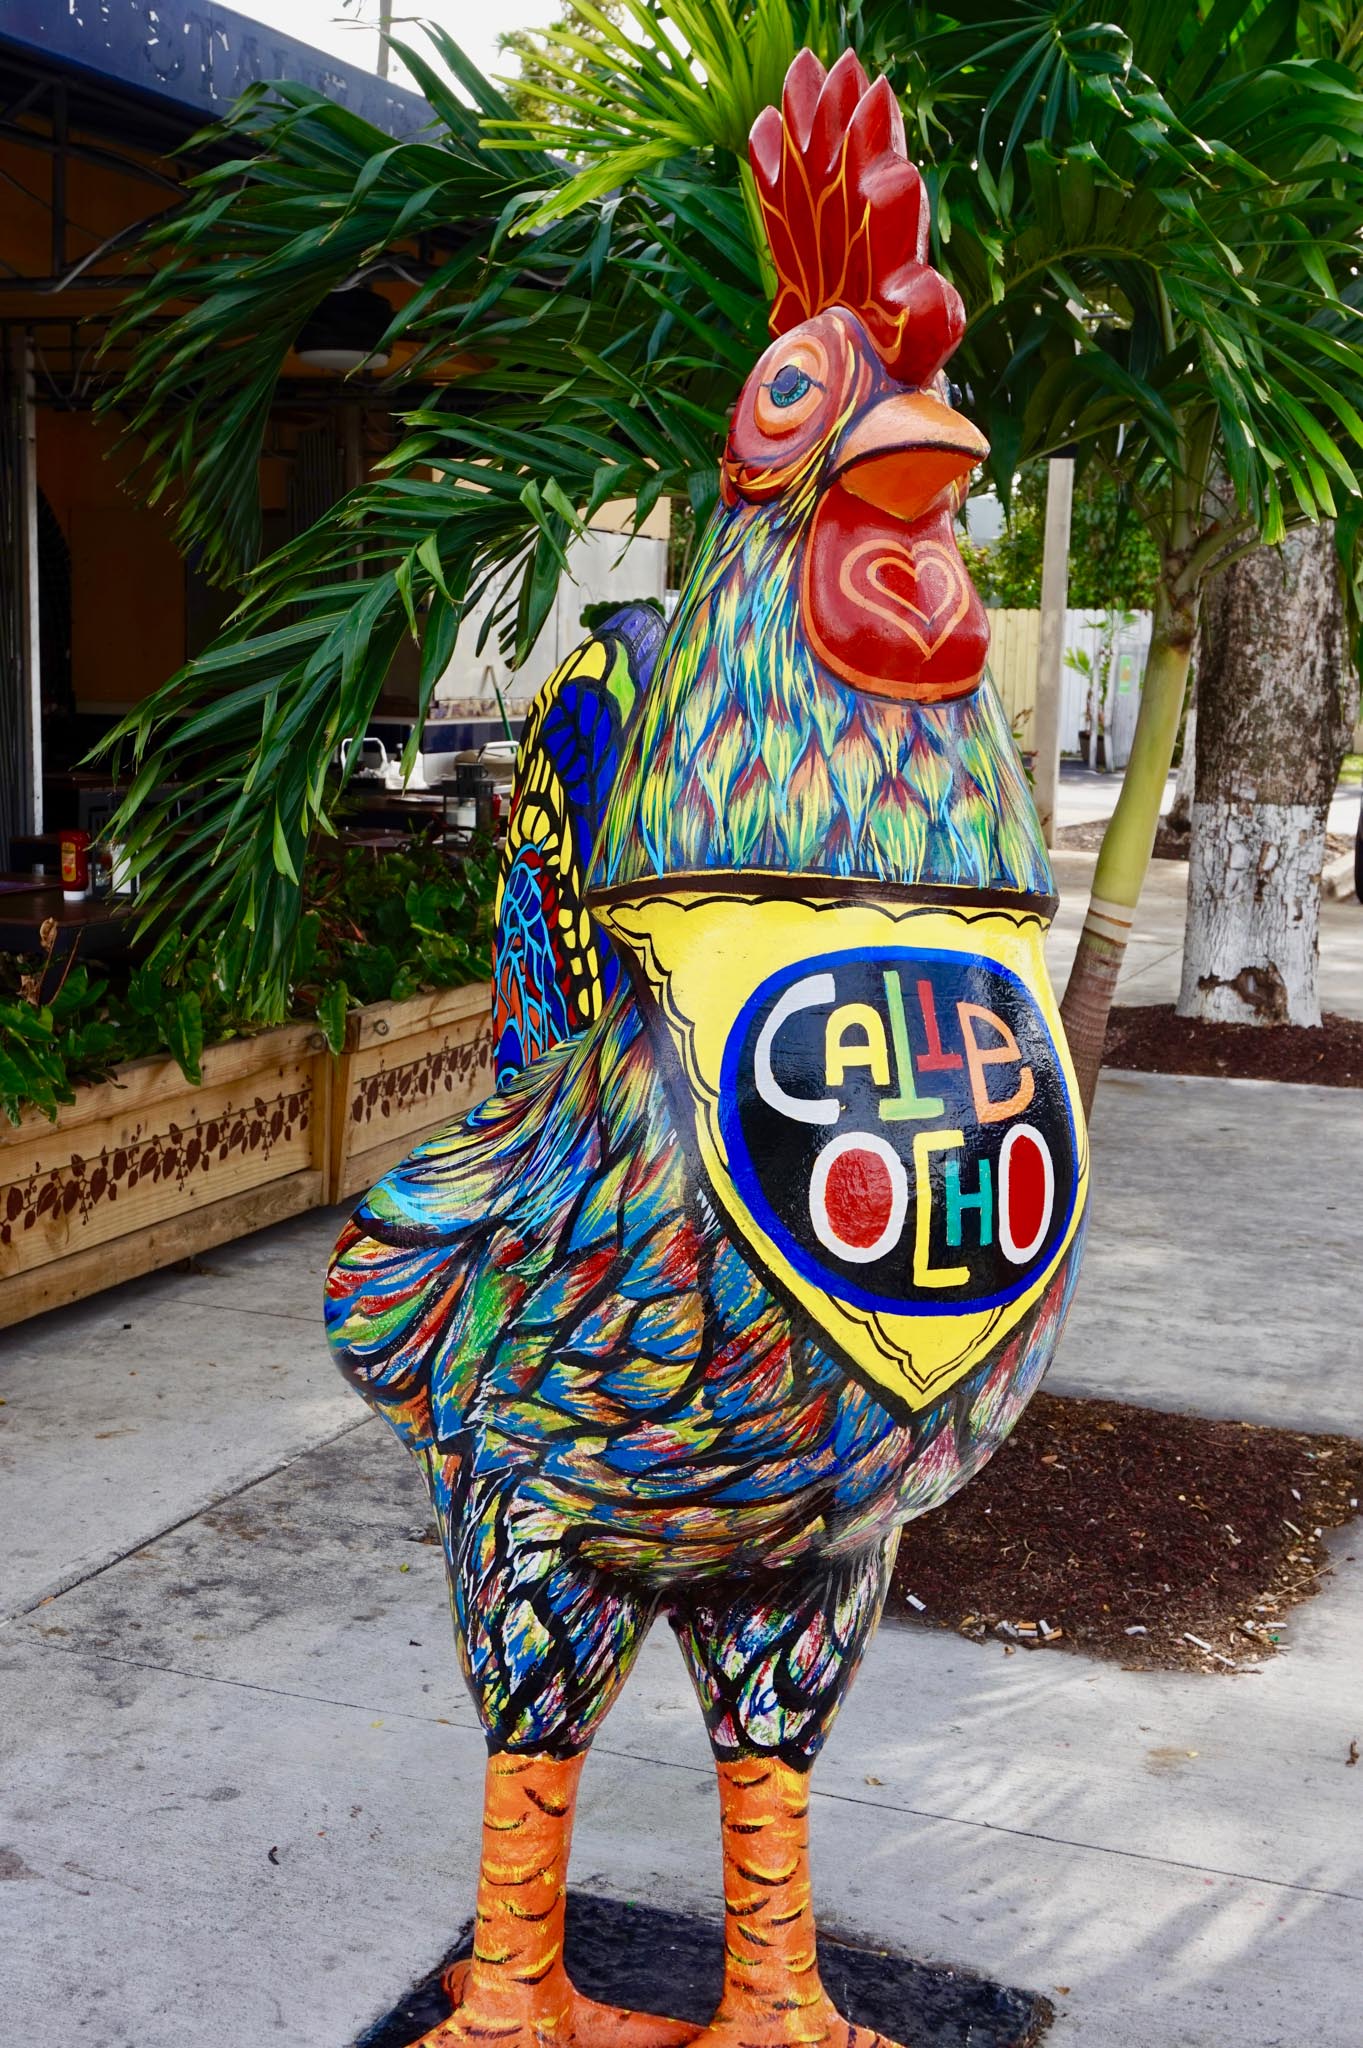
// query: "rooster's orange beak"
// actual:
[[906, 451]]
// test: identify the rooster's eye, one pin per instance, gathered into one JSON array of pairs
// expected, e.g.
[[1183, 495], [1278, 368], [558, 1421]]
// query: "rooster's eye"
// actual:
[[801, 381], [784, 402], [789, 385]]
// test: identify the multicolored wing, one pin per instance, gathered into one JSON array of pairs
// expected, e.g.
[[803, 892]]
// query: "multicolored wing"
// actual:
[[552, 969]]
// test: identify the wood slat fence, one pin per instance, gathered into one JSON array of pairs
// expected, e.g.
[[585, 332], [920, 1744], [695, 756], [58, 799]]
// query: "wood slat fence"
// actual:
[[1015, 641]]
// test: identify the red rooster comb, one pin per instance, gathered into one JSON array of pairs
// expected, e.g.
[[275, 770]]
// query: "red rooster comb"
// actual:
[[846, 216]]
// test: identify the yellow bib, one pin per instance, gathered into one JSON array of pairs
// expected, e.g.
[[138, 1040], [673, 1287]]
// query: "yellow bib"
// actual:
[[875, 1086]]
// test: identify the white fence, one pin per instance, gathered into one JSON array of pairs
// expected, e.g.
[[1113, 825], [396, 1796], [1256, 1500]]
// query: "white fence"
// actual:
[[603, 565], [1106, 648]]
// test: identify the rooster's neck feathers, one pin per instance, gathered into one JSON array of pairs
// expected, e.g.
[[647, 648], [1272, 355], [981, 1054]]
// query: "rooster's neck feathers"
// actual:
[[751, 754]]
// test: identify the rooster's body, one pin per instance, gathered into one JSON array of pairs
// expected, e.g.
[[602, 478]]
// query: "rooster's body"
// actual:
[[639, 1374]]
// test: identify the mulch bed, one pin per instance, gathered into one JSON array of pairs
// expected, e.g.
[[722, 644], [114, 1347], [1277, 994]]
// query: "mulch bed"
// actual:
[[1088, 837], [1161, 1541], [649, 1960], [1149, 1038]]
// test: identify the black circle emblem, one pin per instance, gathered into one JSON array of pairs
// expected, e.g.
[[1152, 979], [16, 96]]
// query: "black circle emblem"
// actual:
[[899, 1124]]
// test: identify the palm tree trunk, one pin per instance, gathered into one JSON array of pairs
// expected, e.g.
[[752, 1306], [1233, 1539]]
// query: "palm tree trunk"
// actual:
[[1130, 837], [1179, 816], [1275, 689]]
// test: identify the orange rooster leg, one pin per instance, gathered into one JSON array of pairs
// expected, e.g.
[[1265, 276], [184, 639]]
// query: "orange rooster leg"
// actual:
[[514, 1991], [773, 1997]]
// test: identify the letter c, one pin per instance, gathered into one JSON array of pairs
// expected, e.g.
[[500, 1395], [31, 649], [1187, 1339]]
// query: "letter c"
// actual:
[[802, 995]]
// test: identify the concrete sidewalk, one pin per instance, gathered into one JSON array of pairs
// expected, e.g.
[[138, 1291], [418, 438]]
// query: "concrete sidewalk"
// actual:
[[1221, 1276], [1153, 965], [1154, 960], [1084, 796], [243, 1802], [224, 1641]]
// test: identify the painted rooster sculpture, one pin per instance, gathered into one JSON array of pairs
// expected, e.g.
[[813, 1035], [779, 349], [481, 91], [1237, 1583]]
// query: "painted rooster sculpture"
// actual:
[[763, 1249]]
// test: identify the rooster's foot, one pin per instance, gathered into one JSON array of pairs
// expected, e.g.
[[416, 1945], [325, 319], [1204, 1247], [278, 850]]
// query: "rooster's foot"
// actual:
[[570, 2021], [819, 2026]]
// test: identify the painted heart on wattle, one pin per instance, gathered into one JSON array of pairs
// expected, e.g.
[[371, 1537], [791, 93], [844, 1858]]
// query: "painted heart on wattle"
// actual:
[[889, 606], [920, 591]]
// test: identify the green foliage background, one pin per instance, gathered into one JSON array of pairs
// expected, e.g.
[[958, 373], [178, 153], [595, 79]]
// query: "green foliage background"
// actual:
[[1153, 214], [374, 927], [1113, 564], [523, 71]]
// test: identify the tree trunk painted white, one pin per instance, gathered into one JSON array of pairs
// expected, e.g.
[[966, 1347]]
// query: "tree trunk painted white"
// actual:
[[1250, 952], [1273, 691]]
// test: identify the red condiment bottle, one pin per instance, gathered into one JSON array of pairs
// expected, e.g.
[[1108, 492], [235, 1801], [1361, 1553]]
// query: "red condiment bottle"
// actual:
[[75, 847]]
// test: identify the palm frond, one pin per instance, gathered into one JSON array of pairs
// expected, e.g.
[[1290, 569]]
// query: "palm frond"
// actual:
[[600, 367], [681, 75], [1160, 277], [311, 199], [1136, 261]]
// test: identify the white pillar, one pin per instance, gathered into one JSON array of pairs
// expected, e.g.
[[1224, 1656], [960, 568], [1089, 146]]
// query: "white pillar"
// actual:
[[1051, 652], [30, 792]]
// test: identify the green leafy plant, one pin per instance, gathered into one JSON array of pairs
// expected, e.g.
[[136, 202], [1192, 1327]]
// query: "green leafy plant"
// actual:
[[1112, 559], [1153, 216], [32, 1069], [377, 927], [383, 929], [522, 71], [579, 382], [92, 1022]]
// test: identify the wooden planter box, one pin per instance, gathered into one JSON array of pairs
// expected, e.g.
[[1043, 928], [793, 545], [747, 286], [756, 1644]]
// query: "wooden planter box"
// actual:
[[407, 1069], [144, 1168]]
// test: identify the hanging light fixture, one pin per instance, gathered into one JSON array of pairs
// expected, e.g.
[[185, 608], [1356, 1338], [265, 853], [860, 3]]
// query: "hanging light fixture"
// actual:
[[342, 332]]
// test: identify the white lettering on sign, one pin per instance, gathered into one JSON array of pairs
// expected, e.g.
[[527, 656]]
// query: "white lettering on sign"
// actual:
[[901, 1119], [808, 994]]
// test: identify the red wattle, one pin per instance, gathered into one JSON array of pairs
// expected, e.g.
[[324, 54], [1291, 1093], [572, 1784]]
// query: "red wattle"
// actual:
[[889, 607]]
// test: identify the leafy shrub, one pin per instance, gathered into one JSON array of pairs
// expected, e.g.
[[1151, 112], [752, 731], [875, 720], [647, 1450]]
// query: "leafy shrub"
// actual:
[[1112, 560], [93, 1021], [383, 927], [377, 926]]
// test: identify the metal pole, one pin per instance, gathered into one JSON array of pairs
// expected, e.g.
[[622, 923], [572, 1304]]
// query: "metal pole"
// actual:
[[30, 706], [1051, 653], [385, 28]]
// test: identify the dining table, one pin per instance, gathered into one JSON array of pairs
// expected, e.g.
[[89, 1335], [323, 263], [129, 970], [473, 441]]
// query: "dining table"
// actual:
[[98, 927]]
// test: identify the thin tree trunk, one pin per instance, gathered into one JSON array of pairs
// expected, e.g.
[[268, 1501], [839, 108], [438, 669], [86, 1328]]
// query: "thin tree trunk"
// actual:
[[1179, 816], [1274, 693], [1130, 837]]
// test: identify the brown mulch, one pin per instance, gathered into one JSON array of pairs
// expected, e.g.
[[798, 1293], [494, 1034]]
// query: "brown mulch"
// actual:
[[1148, 1038], [1085, 838], [1157, 1540], [1088, 837], [1171, 845]]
